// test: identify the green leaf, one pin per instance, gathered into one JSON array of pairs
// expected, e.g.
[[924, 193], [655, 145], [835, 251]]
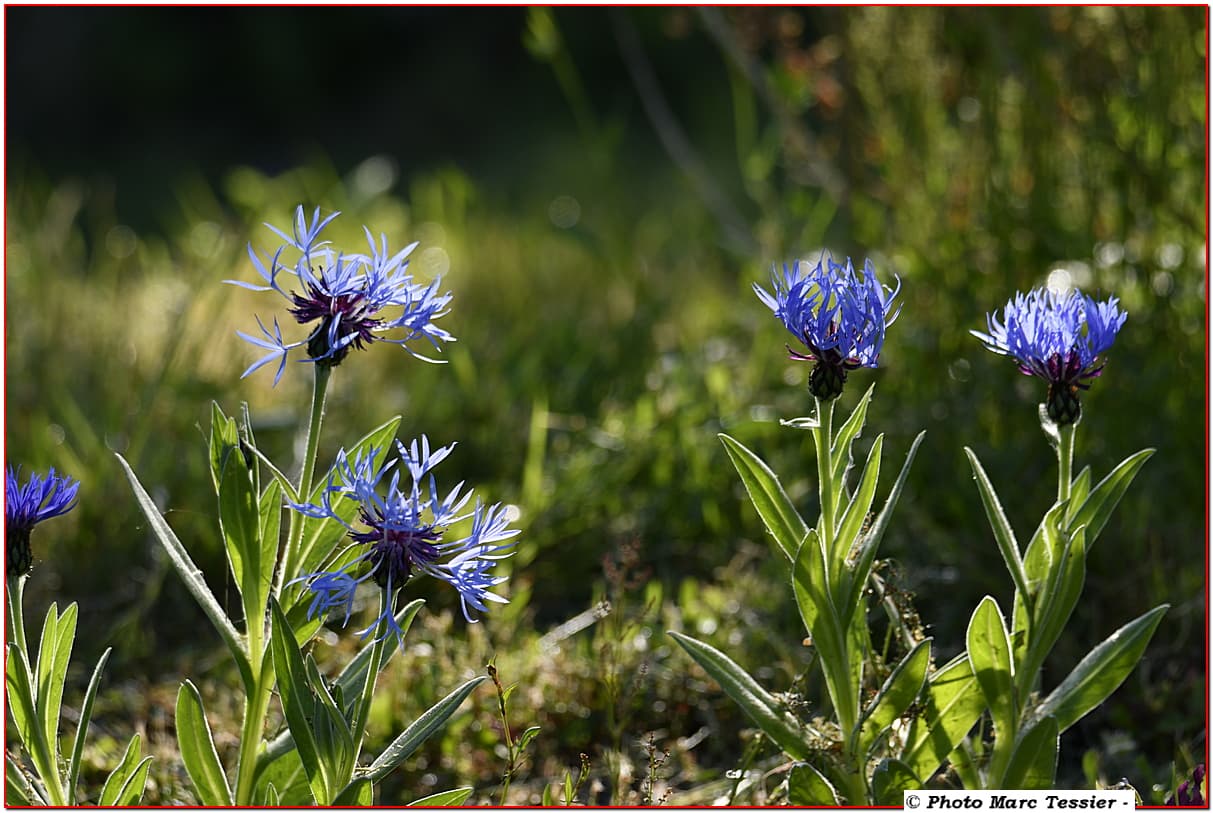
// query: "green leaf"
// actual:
[[1104, 498], [284, 773], [546, 800], [127, 778], [1101, 672], [890, 779], [808, 788], [450, 798], [269, 520], [191, 575], [240, 522], [24, 711], [359, 793], [1048, 545], [1033, 764], [1056, 604], [989, 650], [281, 479], [766, 712], [954, 703], [865, 554], [810, 583], [1079, 489], [857, 510], [86, 715], [525, 739], [349, 682], [840, 452], [901, 688], [412, 737], [18, 789], [54, 655], [198, 749], [297, 702], [225, 438], [334, 740], [768, 497], [1003, 535]]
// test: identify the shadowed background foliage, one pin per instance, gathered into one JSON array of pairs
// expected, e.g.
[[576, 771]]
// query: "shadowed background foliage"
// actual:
[[600, 188]]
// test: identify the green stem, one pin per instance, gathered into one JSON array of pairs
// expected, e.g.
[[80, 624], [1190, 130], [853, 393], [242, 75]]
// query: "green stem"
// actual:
[[1065, 461], [511, 765], [16, 618], [825, 479], [312, 444], [362, 711], [256, 705]]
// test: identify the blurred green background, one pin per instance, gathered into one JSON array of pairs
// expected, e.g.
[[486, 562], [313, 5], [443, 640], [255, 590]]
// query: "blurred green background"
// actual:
[[600, 188]]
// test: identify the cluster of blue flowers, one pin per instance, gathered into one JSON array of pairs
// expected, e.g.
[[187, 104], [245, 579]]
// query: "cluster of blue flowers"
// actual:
[[350, 295], [841, 317], [404, 533]]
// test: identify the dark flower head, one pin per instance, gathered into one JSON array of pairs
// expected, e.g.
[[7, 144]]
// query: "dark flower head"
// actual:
[[25, 507], [1057, 337], [837, 314], [352, 299], [403, 532]]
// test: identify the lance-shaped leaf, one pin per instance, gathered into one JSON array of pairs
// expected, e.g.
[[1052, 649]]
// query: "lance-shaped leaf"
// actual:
[[240, 522], [989, 650], [297, 703], [891, 779], [124, 785], [810, 583], [359, 793], [24, 710], [86, 715], [1033, 764], [349, 682], [895, 696], [191, 575], [422, 728], [198, 749], [1101, 672], [840, 452], [1080, 487], [768, 497], [447, 798], [767, 713], [1103, 499], [1056, 604], [18, 788], [225, 439], [864, 552], [807, 787], [1003, 535], [954, 703], [54, 655], [857, 510]]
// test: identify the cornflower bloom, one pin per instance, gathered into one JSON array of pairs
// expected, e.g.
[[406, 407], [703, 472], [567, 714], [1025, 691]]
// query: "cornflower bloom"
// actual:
[[839, 315], [1058, 337], [348, 295], [402, 534], [24, 507]]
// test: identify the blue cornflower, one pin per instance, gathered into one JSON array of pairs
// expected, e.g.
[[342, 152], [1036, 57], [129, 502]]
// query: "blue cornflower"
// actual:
[[347, 294], [402, 533], [1057, 337], [837, 314], [24, 508]]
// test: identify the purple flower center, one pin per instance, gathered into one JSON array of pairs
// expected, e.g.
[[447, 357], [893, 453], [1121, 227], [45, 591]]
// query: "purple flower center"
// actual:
[[341, 317], [395, 550]]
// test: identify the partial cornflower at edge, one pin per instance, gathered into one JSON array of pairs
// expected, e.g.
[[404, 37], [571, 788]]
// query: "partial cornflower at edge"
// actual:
[[24, 507]]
